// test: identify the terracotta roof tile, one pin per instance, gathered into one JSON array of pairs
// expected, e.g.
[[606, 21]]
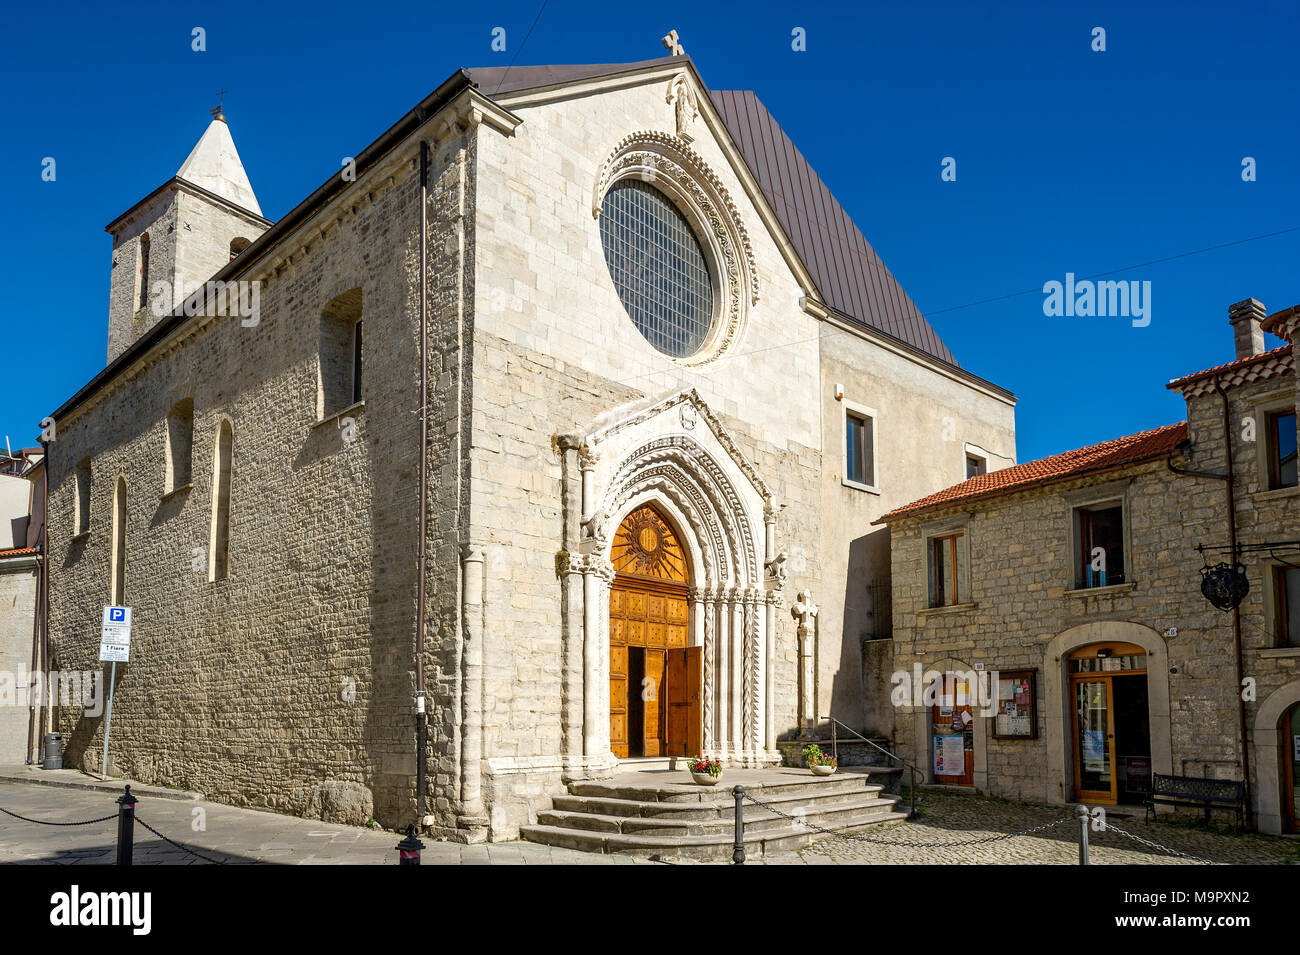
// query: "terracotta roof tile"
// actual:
[[1279, 352], [18, 551], [1130, 449]]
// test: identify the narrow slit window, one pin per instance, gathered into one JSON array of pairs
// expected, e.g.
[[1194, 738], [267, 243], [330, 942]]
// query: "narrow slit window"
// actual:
[[947, 570], [219, 551], [858, 457]]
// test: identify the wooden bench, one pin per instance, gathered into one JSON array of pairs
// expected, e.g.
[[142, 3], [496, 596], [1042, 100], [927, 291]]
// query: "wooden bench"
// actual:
[[1197, 791]]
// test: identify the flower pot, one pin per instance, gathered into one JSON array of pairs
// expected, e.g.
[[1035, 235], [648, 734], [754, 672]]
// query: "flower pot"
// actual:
[[704, 779], [822, 770]]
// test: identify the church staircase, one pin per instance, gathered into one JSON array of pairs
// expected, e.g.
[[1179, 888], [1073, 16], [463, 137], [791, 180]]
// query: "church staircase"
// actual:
[[665, 815]]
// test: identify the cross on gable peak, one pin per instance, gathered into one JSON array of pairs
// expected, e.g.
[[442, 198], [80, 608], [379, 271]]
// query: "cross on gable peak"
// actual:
[[672, 44]]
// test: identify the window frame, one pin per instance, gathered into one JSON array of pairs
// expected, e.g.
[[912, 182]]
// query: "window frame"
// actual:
[[957, 530], [853, 409], [1272, 452], [983, 464], [1094, 497], [1279, 608]]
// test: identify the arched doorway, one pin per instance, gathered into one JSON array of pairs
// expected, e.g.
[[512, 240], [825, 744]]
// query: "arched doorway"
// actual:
[[655, 677], [1110, 726]]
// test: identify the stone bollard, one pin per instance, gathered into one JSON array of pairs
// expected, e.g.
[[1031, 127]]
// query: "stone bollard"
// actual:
[[1083, 835]]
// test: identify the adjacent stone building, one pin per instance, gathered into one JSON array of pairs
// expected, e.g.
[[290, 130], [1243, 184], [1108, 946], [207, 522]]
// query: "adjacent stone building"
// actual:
[[22, 539], [1077, 579], [651, 378]]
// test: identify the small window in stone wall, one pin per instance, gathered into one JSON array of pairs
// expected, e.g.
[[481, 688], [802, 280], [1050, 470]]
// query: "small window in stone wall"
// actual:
[[1099, 533], [143, 278], [1281, 437], [1286, 602], [180, 446], [340, 354], [81, 516], [948, 570]]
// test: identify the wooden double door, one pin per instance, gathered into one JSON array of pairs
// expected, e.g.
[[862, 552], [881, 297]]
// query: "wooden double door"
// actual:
[[655, 678]]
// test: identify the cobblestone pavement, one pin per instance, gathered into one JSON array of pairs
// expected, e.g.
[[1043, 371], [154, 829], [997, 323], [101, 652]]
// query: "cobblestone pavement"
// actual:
[[248, 836], [236, 836], [957, 817]]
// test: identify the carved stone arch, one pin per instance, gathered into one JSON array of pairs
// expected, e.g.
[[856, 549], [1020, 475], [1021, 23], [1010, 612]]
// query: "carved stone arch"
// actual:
[[693, 475], [673, 167], [680, 511], [1058, 705]]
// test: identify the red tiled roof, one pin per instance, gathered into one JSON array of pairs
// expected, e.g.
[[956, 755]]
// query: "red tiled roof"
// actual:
[[1231, 366], [1108, 455], [18, 551]]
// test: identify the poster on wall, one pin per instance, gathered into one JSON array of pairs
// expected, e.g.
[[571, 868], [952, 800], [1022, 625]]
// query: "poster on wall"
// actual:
[[1017, 707], [949, 755], [1295, 741], [1094, 751]]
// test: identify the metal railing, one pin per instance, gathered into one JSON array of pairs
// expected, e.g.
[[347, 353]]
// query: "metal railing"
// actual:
[[912, 785]]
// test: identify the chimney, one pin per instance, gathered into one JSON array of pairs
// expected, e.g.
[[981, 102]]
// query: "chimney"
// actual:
[[1245, 318]]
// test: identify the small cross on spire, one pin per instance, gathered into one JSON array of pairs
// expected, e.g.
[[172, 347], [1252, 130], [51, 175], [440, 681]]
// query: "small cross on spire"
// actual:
[[217, 111], [672, 44]]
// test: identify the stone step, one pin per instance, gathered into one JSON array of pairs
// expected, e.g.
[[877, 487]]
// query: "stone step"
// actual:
[[757, 819], [706, 847], [692, 793], [721, 809]]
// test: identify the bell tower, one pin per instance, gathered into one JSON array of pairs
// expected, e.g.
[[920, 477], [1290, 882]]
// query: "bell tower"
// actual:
[[177, 237]]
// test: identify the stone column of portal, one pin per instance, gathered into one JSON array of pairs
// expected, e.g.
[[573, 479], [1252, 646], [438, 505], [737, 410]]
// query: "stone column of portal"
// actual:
[[701, 634], [754, 663], [605, 579], [722, 699], [471, 744], [769, 683], [737, 711], [805, 611], [591, 633]]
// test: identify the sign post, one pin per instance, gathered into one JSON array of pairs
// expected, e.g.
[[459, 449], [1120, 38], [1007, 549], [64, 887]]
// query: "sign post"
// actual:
[[114, 647]]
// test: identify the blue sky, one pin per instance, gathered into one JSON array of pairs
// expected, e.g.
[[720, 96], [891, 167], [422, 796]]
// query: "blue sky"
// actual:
[[1068, 160]]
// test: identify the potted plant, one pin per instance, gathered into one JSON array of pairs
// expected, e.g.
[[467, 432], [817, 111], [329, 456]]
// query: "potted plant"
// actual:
[[821, 764], [706, 772]]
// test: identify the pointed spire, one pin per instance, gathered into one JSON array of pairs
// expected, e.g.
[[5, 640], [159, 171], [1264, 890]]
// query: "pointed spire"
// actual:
[[214, 165]]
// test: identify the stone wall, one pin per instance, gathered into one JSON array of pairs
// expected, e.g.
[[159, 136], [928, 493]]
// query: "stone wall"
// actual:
[[296, 671], [18, 599], [1022, 603]]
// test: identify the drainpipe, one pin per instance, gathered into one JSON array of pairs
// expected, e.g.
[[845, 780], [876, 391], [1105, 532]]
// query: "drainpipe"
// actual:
[[44, 608], [1229, 483], [421, 720]]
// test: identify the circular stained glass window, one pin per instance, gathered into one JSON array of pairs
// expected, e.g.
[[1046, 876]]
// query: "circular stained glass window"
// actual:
[[658, 267]]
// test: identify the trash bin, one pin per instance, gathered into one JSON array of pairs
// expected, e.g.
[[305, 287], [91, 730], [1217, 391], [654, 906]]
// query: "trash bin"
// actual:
[[53, 751]]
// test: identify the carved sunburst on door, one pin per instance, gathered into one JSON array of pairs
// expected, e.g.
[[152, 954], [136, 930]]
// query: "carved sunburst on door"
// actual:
[[646, 546]]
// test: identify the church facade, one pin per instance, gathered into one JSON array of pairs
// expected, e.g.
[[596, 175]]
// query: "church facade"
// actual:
[[605, 336]]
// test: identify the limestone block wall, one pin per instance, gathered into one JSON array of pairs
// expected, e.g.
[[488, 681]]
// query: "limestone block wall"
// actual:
[[924, 421], [1020, 578], [189, 241], [296, 671], [18, 601], [554, 348], [1263, 515]]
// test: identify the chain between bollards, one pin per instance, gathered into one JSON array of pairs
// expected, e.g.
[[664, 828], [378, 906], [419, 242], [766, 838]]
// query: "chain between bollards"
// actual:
[[738, 853], [1083, 835], [125, 827]]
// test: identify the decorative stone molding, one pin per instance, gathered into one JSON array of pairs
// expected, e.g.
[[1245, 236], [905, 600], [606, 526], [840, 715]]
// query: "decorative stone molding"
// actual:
[[669, 163]]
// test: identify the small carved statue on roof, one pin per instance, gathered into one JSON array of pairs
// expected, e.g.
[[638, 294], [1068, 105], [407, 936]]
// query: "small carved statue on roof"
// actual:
[[682, 98]]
